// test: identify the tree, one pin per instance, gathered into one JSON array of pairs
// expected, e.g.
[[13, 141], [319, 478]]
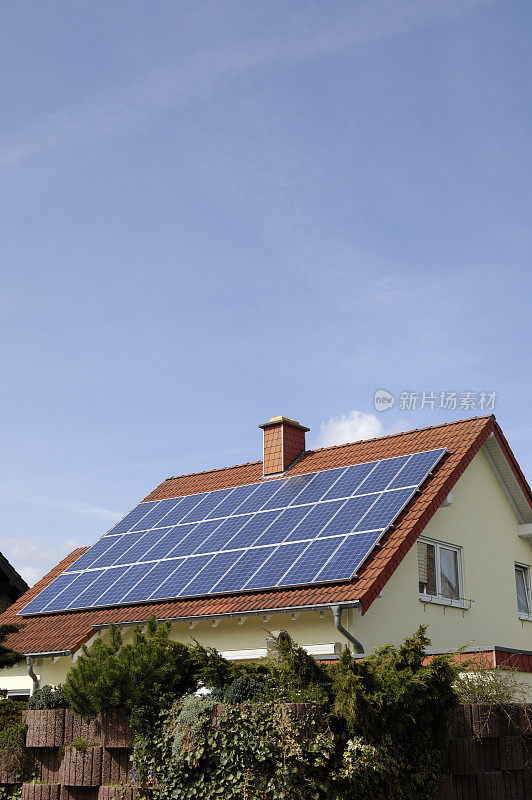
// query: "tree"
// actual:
[[9, 657]]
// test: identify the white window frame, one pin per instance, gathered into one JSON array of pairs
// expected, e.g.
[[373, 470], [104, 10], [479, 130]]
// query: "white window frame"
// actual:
[[438, 597], [526, 571]]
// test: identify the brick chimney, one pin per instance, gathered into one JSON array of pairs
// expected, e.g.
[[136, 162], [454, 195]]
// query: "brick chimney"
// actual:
[[284, 441]]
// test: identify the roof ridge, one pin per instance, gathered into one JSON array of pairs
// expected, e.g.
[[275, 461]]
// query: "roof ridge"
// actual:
[[334, 446], [402, 433], [215, 469]]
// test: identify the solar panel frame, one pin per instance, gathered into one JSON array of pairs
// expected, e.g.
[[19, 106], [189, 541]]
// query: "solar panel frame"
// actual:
[[267, 548]]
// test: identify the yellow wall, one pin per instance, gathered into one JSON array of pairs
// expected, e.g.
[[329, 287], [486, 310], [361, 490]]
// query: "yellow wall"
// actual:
[[480, 520]]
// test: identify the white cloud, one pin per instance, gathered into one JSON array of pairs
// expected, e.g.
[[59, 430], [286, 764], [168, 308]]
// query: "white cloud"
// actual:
[[33, 560], [352, 427], [71, 506]]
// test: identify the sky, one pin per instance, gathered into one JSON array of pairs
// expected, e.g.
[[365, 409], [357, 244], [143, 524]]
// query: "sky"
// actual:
[[213, 212]]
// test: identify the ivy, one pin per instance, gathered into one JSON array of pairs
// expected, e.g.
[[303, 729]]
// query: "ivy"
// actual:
[[13, 792], [258, 751]]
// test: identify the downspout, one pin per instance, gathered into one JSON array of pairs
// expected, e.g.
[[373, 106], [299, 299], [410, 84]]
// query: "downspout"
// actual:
[[337, 614], [31, 673]]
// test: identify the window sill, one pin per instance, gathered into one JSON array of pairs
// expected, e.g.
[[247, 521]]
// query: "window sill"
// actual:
[[525, 617], [463, 604]]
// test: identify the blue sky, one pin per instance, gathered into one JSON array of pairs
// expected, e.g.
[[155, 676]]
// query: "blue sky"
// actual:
[[216, 212]]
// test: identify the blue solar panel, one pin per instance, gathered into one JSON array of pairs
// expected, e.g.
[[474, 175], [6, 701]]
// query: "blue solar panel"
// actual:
[[349, 515], [348, 557], [317, 518], [151, 581], [65, 598], [168, 538], [178, 513], [386, 508], [40, 602], [104, 580], [290, 491], [350, 481], [253, 528], [223, 534], [233, 500], [132, 518], [383, 474], [243, 569], [211, 573], [301, 529], [258, 499], [284, 524], [144, 543], [276, 565], [177, 581], [311, 561], [317, 489], [193, 540], [207, 506], [87, 559], [120, 546], [415, 471], [154, 517], [116, 591]]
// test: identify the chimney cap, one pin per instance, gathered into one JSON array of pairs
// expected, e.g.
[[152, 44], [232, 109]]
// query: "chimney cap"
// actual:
[[283, 420]]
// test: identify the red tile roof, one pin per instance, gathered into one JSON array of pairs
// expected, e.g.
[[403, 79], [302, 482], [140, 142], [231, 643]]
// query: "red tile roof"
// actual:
[[66, 631]]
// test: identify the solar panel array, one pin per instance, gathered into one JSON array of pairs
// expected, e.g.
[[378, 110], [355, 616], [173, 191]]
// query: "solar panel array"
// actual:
[[305, 529]]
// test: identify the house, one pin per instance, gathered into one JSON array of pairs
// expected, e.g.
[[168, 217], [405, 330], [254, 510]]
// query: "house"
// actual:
[[450, 549], [12, 585]]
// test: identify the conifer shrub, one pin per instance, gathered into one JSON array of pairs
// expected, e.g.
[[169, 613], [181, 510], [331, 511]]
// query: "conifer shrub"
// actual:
[[13, 753], [293, 675], [9, 657], [143, 676], [402, 710]]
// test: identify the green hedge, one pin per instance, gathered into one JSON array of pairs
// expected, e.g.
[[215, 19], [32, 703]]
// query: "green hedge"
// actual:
[[380, 730]]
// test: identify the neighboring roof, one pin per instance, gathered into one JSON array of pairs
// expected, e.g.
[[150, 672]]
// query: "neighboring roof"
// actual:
[[463, 440], [14, 584]]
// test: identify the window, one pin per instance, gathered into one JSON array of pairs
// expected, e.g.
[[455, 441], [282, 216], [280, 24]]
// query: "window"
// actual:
[[440, 570], [522, 585]]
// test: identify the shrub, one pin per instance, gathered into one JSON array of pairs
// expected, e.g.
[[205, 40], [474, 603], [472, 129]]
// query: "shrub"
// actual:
[[241, 690], [47, 697], [484, 683], [215, 672], [10, 712], [404, 709], [293, 675], [143, 676], [12, 736], [194, 712]]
